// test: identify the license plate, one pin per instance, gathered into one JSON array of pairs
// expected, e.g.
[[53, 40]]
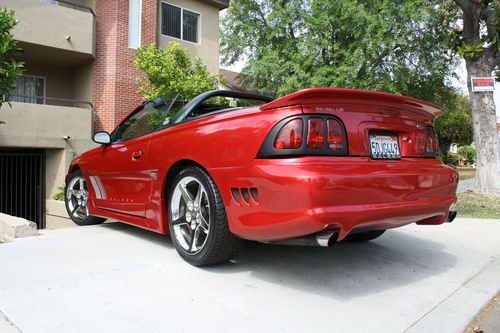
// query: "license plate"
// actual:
[[384, 146]]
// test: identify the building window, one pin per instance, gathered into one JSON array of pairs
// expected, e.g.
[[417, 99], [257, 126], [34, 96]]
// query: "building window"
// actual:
[[134, 23], [29, 89], [180, 23]]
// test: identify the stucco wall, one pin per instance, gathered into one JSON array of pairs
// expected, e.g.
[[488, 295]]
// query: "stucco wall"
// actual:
[[50, 25], [208, 48], [44, 126]]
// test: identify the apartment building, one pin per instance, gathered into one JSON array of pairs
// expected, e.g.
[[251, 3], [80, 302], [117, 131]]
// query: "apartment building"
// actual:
[[79, 78]]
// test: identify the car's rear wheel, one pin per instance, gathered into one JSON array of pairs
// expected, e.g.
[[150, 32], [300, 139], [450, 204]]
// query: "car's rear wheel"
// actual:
[[197, 220], [364, 236], [77, 200]]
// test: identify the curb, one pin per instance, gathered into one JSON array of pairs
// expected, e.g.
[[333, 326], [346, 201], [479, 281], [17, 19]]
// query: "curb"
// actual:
[[458, 310], [6, 326]]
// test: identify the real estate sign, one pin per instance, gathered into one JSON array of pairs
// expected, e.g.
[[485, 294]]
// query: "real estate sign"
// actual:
[[482, 84]]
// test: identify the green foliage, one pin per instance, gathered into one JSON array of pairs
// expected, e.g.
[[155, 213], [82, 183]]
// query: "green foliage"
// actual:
[[483, 30], [467, 154], [455, 126], [171, 71], [394, 46], [9, 68], [59, 196], [472, 51], [449, 158]]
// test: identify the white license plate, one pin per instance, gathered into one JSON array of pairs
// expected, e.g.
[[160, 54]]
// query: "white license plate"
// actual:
[[384, 146]]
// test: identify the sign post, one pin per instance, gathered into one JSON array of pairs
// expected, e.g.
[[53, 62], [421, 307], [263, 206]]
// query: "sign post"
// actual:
[[481, 84]]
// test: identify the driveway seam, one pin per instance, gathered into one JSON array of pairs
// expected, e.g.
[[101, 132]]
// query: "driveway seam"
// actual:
[[451, 294]]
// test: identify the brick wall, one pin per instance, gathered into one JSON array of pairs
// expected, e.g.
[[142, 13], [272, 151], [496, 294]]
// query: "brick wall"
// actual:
[[114, 81]]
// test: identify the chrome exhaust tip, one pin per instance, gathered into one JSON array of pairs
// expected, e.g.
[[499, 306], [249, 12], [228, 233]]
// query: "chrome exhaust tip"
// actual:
[[326, 238], [451, 216]]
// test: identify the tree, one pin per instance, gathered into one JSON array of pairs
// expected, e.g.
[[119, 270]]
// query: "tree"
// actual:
[[394, 46], [171, 71], [10, 69], [455, 126], [478, 41]]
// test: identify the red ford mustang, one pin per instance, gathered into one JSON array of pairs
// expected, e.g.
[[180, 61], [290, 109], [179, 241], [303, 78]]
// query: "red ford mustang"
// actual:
[[314, 167]]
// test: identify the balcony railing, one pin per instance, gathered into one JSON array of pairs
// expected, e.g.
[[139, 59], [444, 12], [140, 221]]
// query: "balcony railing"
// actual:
[[71, 5], [49, 101]]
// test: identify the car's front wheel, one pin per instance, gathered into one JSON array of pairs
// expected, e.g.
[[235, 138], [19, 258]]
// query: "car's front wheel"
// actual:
[[77, 200], [197, 220]]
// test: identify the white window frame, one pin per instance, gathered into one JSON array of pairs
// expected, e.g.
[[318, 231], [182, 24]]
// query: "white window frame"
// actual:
[[44, 87], [140, 27], [182, 23]]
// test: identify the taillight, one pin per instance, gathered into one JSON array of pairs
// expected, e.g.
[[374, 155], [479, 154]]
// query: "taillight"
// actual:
[[335, 135], [316, 133], [290, 136], [323, 135], [431, 142]]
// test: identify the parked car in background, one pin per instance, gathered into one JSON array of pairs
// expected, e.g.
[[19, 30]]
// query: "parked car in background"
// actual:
[[318, 166]]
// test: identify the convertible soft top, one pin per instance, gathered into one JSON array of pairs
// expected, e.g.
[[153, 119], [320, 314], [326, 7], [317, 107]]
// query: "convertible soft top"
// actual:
[[343, 95]]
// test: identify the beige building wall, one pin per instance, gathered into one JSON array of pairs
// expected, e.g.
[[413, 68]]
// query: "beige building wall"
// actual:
[[47, 24], [208, 47]]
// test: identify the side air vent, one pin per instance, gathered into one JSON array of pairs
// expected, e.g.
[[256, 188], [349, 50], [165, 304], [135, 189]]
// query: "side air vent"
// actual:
[[246, 195], [255, 194], [236, 194]]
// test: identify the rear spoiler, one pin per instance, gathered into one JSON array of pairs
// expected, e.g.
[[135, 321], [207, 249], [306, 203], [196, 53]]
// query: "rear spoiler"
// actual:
[[343, 95]]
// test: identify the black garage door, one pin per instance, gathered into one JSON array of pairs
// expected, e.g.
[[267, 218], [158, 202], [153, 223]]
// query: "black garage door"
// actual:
[[22, 184]]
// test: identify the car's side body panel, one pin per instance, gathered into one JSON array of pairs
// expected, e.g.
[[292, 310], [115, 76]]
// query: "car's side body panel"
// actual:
[[296, 196]]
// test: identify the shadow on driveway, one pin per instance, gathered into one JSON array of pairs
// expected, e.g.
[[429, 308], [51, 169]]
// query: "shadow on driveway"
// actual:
[[347, 270]]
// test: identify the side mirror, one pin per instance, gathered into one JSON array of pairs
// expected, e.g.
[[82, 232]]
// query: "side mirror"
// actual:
[[102, 137]]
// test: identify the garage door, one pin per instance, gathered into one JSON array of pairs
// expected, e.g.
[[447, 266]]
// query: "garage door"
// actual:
[[22, 184]]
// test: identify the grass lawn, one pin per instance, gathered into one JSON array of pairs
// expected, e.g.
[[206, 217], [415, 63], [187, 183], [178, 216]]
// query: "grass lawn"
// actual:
[[477, 206], [466, 173]]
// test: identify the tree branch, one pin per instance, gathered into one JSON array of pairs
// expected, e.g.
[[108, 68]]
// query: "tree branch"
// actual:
[[496, 61], [489, 15], [464, 4]]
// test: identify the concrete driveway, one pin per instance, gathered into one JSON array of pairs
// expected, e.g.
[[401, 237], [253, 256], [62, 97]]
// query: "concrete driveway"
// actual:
[[116, 278]]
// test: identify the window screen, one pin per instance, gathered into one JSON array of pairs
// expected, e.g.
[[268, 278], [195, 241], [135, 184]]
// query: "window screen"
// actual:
[[190, 26], [171, 20], [179, 23], [28, 88]]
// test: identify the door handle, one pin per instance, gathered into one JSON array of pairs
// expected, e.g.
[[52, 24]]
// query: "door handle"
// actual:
[[137, 155]]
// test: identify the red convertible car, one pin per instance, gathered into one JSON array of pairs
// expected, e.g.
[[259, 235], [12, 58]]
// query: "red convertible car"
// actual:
[[317, 166]]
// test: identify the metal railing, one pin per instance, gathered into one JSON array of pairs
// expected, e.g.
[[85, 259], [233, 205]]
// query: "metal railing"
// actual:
[[72, 5], [49, 101]]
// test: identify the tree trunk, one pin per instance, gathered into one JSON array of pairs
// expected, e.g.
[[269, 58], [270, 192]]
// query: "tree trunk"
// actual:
[[485, 131]]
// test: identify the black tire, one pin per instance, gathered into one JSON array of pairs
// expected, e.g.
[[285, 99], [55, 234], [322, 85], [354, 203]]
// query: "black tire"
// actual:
[[79, 218], [220, 245], [364, 236]]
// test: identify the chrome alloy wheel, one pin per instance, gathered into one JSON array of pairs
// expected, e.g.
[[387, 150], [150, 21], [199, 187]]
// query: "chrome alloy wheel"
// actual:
[[190, 211], [77, 197]]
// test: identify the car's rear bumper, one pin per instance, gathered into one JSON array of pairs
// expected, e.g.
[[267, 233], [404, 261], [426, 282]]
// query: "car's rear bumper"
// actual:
[[301, 196]]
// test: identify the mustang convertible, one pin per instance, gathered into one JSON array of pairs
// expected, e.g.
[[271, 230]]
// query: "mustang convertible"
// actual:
[[318, 166]]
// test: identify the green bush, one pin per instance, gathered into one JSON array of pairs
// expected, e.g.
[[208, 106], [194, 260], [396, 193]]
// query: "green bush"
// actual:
[[467, 154], [10, 69], [170, 71], [451, 159], [59, 196]]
